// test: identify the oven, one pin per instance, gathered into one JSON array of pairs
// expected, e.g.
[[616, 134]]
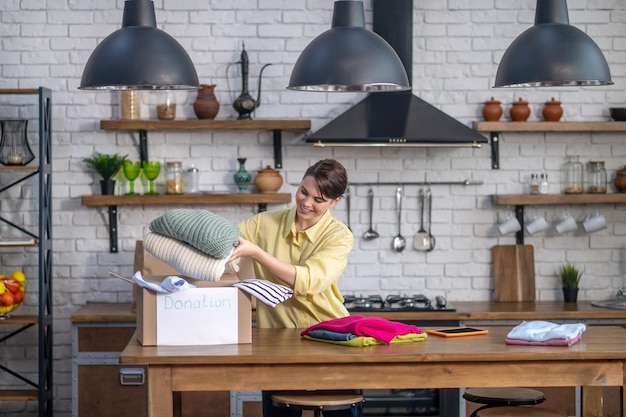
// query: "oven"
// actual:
[[407, 402]]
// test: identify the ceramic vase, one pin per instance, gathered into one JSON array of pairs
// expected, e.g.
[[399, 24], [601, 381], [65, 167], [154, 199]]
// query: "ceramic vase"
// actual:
[[206, 105], [268, 180], [570, 295], [492, 110], [620, 180], [520, 111], [552, 111], [242, 177]]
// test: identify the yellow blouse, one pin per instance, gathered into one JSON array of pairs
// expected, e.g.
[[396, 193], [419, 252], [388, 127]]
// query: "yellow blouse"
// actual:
[[320, 255]]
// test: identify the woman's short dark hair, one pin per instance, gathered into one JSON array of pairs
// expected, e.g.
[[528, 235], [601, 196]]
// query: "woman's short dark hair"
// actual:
[[330, 176]]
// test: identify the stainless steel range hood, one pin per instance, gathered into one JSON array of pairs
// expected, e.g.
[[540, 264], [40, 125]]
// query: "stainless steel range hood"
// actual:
[[396, 118]]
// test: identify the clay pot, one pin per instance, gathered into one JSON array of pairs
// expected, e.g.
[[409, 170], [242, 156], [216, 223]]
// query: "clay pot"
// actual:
[[520, 111], [620, 180], [206, 105], [552, 111], [268, 180], [492, 110]]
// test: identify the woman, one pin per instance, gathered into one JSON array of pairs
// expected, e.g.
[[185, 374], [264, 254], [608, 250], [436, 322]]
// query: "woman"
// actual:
[[305, 248]]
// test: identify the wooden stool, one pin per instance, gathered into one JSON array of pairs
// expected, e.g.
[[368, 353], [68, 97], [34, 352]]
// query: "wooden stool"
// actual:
[[318, 401], [520, 411], [501, 397]]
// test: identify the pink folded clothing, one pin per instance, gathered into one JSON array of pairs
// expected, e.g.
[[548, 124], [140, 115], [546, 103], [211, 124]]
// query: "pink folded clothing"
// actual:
[[376, 327], [550, 342]]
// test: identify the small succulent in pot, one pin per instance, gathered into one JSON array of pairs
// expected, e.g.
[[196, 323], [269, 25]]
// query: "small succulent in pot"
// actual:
[[106, 165], [570, 275]]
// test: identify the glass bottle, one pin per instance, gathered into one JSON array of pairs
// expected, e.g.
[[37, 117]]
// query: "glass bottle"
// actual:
[[573, 175], [533, 187], [543, 184], [193, 180], [174, 178], [596, 177]]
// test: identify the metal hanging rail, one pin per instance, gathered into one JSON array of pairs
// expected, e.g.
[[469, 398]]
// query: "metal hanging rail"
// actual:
[[401, 183]]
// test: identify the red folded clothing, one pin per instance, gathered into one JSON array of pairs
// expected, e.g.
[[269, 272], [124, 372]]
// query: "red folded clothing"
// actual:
[[376, 327]]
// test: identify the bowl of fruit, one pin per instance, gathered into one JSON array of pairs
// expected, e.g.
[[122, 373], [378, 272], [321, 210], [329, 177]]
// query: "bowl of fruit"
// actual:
[[12, 292]]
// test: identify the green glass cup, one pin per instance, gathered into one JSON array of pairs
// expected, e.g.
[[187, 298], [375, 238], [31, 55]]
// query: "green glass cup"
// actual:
[[131, 169], [151, 169]]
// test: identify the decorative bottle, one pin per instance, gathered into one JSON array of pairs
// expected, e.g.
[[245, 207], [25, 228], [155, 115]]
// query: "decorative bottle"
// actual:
[[533, 187], [596, 177], [543, 184], [206, 105], [573, 175], [242, 177]]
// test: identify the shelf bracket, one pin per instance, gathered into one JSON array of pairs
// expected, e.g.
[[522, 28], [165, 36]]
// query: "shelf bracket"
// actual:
[[113, 229], [262, 207], [143, 146], [519, 214], [278, 150], [495, 150]]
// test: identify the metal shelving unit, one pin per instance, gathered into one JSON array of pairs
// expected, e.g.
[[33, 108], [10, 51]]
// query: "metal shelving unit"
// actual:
[[41, 389]]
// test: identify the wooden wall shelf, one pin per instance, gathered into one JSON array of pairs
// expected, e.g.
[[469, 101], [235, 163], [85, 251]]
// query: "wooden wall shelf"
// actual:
[[521, 200], [496, 128], [184, 199], [143, 126], [557, 199], [260, 124], [112, 201], [550, 126]]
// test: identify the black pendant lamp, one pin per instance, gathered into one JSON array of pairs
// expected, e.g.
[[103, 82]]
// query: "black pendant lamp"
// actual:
[[553, 53], [349, 58], [139, 56]]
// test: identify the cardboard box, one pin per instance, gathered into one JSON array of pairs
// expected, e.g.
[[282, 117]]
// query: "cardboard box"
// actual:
[[216, 312]]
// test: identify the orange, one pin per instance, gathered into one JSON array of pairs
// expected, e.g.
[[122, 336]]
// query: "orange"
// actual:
[[18, 297], [12, 285], [7, 299]]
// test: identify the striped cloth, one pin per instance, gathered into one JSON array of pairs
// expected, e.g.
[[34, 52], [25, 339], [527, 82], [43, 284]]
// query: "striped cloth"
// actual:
[[265, 291]]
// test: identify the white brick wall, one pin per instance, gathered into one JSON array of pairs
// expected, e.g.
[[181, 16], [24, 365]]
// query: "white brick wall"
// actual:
[[457, 46]]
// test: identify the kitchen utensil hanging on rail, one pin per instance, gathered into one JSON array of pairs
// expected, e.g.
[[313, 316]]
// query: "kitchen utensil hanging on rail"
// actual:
[[421, 241], [399, 243], [429, 202], [348, 206], [370, 234]]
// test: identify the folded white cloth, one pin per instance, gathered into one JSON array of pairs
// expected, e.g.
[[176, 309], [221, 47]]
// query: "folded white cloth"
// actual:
[[186, 259], [168, 285], [541, 331], [265, 291]]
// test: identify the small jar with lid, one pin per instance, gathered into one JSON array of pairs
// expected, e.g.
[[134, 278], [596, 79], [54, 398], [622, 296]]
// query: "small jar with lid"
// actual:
[[174, 178], [193, 180], [573, 175], [596, 177]]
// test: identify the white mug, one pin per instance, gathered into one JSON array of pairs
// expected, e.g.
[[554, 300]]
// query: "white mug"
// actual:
[[594, 222], [567, 224], [538, 224], [510, 225]]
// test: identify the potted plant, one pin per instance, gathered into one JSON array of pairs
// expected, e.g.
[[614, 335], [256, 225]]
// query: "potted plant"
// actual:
[[107, 166], [570, 276]]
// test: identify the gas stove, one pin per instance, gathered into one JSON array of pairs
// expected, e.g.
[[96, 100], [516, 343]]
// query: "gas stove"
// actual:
[[394, 303]]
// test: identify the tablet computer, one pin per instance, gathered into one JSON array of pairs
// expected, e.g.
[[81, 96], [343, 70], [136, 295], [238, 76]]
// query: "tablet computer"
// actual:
[[457, 331]]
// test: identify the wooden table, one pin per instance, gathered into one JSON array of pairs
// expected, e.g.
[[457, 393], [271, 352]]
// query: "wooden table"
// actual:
[[280, 359]]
